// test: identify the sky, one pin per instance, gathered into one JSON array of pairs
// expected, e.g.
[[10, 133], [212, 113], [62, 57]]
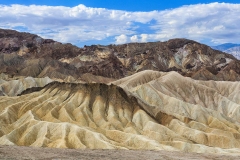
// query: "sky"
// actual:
[[87, 22]]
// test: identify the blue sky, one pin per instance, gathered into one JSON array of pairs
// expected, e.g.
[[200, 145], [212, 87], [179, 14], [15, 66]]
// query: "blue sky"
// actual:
[[128, 5], [86, 22]]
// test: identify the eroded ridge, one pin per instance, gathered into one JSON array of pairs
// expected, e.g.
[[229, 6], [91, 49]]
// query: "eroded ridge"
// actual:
[[148, 110]]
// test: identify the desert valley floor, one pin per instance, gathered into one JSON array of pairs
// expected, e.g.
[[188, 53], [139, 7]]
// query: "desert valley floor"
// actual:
[[20, 153]]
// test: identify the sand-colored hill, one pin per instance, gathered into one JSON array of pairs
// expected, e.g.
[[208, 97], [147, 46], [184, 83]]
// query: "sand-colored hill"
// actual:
[[16, 87], [148, 110]]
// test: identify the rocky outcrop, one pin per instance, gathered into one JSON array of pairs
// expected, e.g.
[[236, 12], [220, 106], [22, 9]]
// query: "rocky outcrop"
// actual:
[[24, 54], [30, 45]]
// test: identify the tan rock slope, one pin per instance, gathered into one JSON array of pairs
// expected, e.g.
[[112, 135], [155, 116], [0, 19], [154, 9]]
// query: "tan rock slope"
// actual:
[[16, 87], [148, 110]]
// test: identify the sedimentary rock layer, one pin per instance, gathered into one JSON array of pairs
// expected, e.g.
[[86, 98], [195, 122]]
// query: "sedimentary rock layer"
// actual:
[[148, 110], [16, 87], [24, 54]]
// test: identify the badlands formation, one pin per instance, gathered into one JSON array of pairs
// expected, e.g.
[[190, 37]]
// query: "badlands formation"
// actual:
[[149, 110], [178, 95]]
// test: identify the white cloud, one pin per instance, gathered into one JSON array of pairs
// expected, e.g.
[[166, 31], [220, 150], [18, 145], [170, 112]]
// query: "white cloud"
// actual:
[[121, 39], [144, 37], [66, 24], [134, 38], [215, 22]]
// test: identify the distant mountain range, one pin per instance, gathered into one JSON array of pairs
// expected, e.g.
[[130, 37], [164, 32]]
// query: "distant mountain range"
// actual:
[[28, 55], [233, 49]]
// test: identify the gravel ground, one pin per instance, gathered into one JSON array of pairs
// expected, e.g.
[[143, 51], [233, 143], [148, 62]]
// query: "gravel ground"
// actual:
[[17, 152]]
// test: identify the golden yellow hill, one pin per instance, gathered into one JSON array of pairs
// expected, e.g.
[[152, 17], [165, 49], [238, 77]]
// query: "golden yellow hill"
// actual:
[[148, 110], [15, 87]]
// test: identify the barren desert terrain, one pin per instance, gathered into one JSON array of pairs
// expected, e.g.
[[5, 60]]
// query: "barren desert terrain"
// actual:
[[177, 99], [20, 153]]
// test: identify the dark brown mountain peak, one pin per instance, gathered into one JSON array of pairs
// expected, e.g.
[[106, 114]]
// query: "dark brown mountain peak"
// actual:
[[33, 46], [20, 54]]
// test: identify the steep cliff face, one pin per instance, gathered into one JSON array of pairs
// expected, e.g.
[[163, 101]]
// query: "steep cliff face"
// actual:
[[24, 54]]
